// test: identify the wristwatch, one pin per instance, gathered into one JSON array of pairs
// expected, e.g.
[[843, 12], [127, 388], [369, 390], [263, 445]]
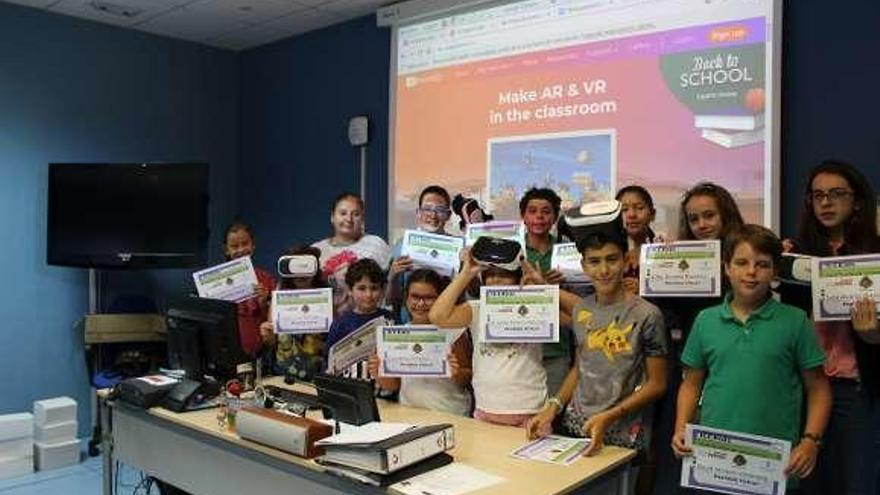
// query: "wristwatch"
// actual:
[[815, 438], [555, 401]]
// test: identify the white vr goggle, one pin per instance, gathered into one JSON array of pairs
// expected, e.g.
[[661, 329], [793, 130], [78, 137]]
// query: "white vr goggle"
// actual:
[[602, 219], [297, 266]]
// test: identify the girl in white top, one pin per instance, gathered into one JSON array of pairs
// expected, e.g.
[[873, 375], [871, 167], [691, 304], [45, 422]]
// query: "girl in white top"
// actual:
[[347, 245], [439, 394], [509, 381]]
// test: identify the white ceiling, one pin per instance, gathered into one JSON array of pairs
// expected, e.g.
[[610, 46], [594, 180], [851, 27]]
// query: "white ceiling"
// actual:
[[230, 24]]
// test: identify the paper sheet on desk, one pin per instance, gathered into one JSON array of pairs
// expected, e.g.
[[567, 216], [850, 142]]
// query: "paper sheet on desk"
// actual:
[[554, 449], [453, 479], [368, 433]]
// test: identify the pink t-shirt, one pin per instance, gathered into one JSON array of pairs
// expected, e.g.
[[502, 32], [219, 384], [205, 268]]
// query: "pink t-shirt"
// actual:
[[836, 339]]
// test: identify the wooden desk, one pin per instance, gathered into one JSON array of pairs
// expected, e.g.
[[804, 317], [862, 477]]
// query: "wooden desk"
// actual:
[[189, 450]]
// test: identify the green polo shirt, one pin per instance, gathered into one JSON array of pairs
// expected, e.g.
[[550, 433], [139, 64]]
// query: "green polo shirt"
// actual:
[[542, 261], [753, 380]]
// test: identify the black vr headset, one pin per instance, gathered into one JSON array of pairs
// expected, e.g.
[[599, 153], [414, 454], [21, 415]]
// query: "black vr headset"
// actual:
[[493, 252], [601, 220]]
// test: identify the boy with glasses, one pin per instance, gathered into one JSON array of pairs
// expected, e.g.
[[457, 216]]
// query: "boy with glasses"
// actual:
[[432, 214]]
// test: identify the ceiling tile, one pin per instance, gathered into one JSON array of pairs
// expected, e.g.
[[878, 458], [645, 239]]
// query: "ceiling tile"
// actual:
[[245, 11], [40, 4], [303, 21], [194, 25], [247, 38], [349, 9], [116, 12]]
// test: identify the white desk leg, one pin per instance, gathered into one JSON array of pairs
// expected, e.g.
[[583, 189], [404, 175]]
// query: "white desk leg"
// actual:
[[104, 415], [623, 487]]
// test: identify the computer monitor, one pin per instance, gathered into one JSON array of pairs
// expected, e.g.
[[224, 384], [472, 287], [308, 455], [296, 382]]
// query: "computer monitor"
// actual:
[[203, 338], [350, 400]]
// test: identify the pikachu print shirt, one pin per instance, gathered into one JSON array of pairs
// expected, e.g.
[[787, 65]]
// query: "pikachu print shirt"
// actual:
[[613, 344]]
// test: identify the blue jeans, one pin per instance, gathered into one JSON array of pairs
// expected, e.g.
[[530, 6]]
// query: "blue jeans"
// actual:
[[848, 463]]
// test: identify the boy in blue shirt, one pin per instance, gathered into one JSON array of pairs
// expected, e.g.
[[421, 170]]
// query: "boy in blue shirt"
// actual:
[[366, 281], [752, 357]]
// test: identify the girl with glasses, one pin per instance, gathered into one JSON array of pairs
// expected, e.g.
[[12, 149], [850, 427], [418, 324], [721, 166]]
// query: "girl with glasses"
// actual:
[[440, 394], [840, 218]]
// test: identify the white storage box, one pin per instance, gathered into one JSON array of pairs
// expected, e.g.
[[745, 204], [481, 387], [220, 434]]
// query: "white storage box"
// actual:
[[10, 467], [56, 432], [20, 447], [15, 426], [56, 455], [57, 410]]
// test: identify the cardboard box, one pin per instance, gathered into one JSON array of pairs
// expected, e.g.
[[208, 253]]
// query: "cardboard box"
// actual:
[[56, 455], [15, 426], [52, 411], [11, 467], [56, 432]]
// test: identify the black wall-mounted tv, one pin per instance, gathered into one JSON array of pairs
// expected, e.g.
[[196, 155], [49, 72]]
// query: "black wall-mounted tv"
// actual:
[[127, 215]]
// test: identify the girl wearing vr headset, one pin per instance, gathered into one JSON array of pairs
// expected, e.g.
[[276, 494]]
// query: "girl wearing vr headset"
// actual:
[[298, 355], [509, 381], [440, 394], [347, 245]]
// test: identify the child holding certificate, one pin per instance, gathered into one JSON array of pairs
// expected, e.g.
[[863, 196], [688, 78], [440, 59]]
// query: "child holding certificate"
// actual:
[[840, 219], [440, 394], [366, 282], [539, 209], [298, 355], [707, 212], [620, 368], [238, 243], [752, 358], [432, 214], [509, 380], [637, 208]]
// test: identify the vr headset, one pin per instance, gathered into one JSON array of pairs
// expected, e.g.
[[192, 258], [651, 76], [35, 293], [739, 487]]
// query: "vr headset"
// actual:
[[493, 252], [796, 269], [298, 266], [601, 219]]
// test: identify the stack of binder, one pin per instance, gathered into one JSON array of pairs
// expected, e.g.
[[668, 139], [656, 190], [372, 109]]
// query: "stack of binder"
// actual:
[[387, 461]]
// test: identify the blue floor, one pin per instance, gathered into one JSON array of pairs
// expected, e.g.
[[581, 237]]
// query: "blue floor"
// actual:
[[83, 479]]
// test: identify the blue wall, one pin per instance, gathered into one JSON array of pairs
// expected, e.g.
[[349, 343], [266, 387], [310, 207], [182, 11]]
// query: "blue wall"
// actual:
[[296, 98], [829, 93], [74, 90]]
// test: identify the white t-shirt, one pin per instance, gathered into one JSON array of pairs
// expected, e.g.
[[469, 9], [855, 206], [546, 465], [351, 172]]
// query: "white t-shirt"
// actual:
[[335, 260], [508, 378], [437, 394]]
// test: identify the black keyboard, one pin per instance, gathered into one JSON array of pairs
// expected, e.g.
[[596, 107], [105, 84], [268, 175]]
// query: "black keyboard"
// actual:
[[291, 397]]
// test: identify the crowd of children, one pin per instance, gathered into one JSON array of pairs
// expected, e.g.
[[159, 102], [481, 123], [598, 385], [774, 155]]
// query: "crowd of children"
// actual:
[[626, 371]]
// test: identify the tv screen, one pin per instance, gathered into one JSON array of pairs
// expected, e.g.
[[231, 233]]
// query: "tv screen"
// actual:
[[127, 215]]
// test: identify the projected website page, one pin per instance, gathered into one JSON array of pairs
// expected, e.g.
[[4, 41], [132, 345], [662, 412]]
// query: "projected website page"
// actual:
[[585, 97]]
